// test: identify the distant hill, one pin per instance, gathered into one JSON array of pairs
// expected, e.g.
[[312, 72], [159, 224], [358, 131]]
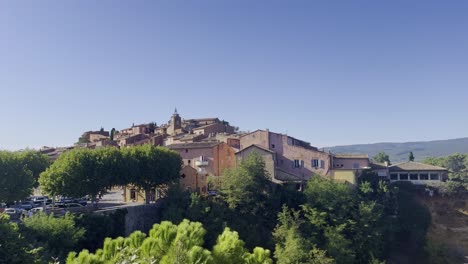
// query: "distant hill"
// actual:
[[399, 151]]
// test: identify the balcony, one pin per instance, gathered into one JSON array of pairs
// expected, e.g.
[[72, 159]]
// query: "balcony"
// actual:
[[201, 163]]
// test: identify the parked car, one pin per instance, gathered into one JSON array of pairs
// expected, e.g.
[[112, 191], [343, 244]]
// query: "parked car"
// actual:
[[66, 200], [73, 205], [37, 210], [212, 193], [12, 211], [40, 198], [81, 201], [25, 205]]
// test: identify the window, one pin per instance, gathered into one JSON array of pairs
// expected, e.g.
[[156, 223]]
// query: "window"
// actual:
[[434, 176], [404, 176], [394, 176], [413, 176], [315, 163], [281, 161], [302, 164], [424, 176], [272, 145], [356, 165], [189, 161], [296, 164], [183, 176], [186, 150], [132, 194]]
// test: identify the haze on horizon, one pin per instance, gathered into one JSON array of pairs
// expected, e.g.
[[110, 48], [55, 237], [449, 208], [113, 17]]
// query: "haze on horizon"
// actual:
[[331, 74]]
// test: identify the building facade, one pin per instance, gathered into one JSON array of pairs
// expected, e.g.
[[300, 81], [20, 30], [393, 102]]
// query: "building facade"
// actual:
[[294, 160]]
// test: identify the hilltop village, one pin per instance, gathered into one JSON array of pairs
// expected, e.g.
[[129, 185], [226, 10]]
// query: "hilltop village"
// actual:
[[208, 146]]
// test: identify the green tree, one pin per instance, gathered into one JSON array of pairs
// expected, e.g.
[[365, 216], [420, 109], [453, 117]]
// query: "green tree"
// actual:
[[57, 235], [83, 139], [247, 187], [411, 156], [36, 162], [381, 157], [112, 134], [149, 167], [81, 172], [16, 180], [173, 244], [13, 247]]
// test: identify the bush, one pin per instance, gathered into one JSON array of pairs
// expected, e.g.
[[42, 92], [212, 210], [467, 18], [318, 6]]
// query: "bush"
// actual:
[[57, 235], [98, 227]]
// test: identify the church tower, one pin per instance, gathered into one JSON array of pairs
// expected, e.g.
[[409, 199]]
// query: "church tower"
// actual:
[[175, 124]]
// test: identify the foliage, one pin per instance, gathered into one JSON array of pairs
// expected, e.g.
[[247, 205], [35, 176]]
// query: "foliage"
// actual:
[[148, 167], [173, 244], [81, 172], [84, 171], [35, 162], [457, 164], [247, 187], [411, 156], [13, 246], [112, 134], [83, 139], [16, 180], [254, 221], [57, 235], [398, 152], [98, 227], [381, 157], [337, 223]]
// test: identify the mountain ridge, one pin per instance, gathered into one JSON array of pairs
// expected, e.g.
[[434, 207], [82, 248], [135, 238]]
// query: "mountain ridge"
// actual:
[[399, 151]]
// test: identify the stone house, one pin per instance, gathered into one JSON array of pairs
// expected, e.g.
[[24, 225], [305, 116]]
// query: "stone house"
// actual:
[[208, 158], [417, 173], [289, 159], [346, 167]]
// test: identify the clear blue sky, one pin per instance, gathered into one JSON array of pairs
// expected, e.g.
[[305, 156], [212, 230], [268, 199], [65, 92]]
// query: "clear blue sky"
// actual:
[[329, 72]]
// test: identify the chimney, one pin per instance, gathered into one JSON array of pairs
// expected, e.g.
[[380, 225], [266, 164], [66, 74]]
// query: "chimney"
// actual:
[[386, 163]]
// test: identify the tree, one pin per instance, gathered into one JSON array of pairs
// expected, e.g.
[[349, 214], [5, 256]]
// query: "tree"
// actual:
[[13, 247], [81, 172], [173, 244], [411, 156], [152, 127], [149, 167], [381, 157], [457, 164], [57, 235], [290, 246], [83, 139], [36, 162], [247, 187], [16, 180], [112, 134]]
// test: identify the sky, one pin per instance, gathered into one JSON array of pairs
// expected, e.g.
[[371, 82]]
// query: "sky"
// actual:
[[328, 72]]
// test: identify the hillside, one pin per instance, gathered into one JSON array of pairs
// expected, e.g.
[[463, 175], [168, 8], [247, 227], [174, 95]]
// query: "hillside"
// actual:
[[399, 151]]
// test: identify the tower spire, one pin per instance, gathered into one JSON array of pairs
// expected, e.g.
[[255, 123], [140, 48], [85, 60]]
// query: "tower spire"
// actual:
[[175, 111]]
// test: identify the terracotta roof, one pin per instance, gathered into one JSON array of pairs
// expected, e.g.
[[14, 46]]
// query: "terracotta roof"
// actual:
[[415, 166], [377, 166], [257, 146], [193, 145], [350, 156]]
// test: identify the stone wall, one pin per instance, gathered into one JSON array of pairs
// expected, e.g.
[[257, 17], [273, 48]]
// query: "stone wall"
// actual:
[[138, 217]]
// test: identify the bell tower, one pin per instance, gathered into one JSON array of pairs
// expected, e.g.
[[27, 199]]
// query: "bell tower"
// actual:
[[175, 124]]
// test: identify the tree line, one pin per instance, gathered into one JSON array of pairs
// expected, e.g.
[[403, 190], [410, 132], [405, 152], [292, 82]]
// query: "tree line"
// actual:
[[329, 222], [19, 173], [457, 164], [81, 172]]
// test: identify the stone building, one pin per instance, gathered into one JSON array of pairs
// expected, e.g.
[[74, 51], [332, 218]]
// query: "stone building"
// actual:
[[289, 159]]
